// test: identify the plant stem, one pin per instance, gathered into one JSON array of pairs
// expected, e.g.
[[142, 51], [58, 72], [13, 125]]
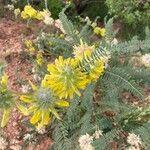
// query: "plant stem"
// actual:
[[46, 5]]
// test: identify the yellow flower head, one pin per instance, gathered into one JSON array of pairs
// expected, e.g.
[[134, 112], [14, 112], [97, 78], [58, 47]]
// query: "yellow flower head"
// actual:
[[103, 31], [30, 12], [82, 50], [41, 104], [6, 100], [96, 69], [100, 31], [65, 78], [39, 58], [24, 15], [29, 45]]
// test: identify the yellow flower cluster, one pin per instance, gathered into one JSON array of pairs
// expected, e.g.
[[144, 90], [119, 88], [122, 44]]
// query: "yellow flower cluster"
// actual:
[[84, 51], [66, 78], [100, 31], [41, 104], [96, 69], [30, 12], [29, 45]]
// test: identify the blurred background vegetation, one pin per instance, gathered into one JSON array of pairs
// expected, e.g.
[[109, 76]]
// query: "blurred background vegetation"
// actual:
[[131, 16]]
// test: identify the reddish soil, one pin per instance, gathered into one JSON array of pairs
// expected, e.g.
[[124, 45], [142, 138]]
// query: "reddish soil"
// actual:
[[18, 69], [10, 36]]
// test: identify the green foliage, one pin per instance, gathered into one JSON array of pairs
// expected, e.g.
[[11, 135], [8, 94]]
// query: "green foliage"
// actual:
[[54, 46], [85, 31], [137, 117], [68, 26], [110, 34], [18, 3], [109, 112], [87, 106], [92, 8], [144, 132], [131, 16], [120, 78], [61, 136], [132, 46], [54, 6], [103, 143], [132, 12], [5, 98], [1, 68]]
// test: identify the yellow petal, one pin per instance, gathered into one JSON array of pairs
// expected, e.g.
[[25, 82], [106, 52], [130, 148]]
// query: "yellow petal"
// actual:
[[51, 68], [34, 87], [36, 117], [26, 98], [45, 116], [44, 82], [24, 15], [55, 113], [23, 109], [97, 30], [62, 103], [32, 108], [103, 31], [61, 59], [75, 90], [5, 118]]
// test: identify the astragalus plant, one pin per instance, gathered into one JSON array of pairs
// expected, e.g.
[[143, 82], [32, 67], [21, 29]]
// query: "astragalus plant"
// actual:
[[89, 78]]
